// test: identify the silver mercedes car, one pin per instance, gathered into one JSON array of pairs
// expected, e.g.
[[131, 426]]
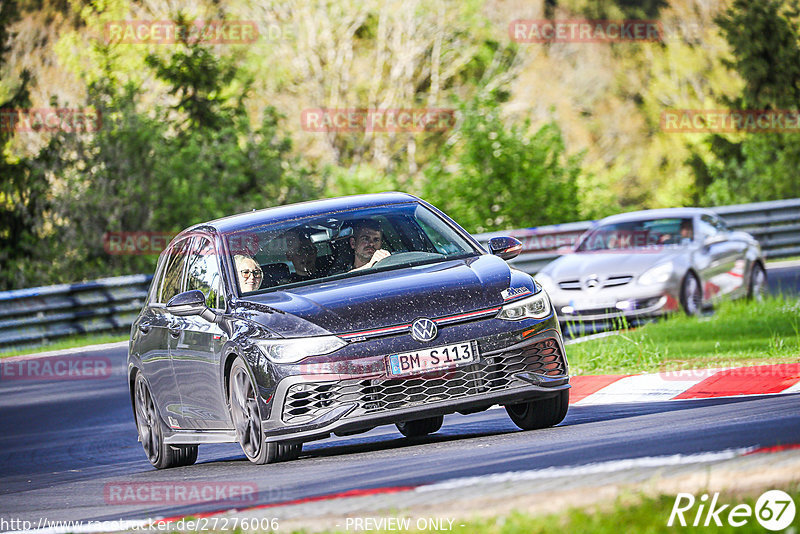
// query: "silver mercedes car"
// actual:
[[649, 263]]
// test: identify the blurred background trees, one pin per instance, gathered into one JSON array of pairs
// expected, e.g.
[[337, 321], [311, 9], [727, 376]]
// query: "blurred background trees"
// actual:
[[544, 133]]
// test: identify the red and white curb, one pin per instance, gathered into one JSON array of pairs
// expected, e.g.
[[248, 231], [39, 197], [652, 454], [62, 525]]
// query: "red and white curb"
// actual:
[[685, 384]]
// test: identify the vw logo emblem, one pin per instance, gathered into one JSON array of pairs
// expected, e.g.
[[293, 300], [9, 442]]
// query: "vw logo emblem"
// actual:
[[424, 329]]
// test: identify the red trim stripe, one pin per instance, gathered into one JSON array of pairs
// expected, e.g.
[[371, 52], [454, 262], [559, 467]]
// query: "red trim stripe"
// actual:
[[756, 380], [466, 315], [376, 331], [404, 326]]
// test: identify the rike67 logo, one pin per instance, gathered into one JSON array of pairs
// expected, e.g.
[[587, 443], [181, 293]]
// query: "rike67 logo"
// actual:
[[774, 510]]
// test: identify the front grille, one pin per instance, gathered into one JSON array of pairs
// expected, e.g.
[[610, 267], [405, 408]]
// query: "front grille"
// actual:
[[620, 280], [570, 285], [611, 281], [307, 401]]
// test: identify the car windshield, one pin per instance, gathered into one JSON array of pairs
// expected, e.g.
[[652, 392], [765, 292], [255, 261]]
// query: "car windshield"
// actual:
[[638, 235], [342, 244]]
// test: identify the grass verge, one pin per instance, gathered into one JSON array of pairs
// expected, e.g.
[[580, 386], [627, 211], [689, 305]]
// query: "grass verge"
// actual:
[[739, 333], [630, 513], [70, 342]]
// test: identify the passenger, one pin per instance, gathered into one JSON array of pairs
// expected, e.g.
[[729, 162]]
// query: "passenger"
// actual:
[[300, 250], [248, 272], [366, 243], [687, 231]]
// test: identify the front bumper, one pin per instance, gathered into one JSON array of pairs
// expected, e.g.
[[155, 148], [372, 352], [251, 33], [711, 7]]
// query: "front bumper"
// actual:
[[615, 303], [513, 368]]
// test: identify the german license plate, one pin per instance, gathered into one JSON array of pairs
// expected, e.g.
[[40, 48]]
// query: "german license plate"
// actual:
[[595, 304], [434, 359]]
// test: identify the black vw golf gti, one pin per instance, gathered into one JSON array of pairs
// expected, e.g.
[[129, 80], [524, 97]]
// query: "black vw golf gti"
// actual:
[[287, 325]]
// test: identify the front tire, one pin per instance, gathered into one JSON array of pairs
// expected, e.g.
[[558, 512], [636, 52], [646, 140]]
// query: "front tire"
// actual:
[[757, 284], [246, 417], [542, 413], [420, 427], [691, 295], [151, 432]]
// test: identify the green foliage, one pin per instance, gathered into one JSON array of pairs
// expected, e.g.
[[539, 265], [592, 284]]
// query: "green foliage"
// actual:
[[163, 169], [765, 40], [23, 187], [495, 175]]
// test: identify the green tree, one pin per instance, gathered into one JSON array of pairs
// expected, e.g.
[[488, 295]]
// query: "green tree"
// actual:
[[23, 188], [495, 175], [765, 41], [164, 168]]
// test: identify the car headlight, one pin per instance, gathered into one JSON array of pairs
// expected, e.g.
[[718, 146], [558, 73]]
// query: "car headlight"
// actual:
[[535, 307], [544, 280], [657, 275], [295, 349]]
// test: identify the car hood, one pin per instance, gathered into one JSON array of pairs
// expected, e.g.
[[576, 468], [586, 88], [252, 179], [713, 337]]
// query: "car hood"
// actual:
[[390, 298], [580, 264]]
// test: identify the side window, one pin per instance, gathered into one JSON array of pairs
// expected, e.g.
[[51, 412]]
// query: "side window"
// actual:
[[706, 226], [720, 225], [171, 283], [202, 273]]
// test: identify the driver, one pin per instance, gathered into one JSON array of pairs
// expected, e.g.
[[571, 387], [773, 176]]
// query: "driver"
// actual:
[[366, 243], [249, 273]]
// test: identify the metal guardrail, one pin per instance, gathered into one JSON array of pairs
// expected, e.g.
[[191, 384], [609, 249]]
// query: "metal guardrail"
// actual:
[[776, 225], [35, 315], [40, 314]]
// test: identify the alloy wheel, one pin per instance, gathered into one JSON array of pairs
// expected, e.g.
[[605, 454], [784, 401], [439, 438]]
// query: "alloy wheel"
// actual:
[[244, 410], [147, 421]]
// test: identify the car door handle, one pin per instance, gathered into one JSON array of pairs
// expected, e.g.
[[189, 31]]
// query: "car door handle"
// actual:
[[144, 328]]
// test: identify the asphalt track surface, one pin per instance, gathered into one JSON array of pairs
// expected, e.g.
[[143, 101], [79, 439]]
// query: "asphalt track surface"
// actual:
[[63, 442]]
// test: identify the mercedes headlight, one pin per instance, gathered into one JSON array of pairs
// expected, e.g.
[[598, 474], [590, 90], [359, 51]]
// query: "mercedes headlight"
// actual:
[[535, 307], [657, 275], [295, 349]]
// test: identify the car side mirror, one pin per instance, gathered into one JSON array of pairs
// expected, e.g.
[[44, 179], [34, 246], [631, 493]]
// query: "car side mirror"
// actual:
[[505, 247], [713, 240], [191, 303]]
